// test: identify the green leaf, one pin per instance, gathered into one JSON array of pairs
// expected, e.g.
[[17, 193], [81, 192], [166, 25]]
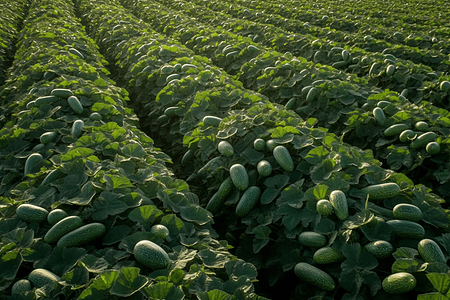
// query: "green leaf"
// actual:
[[116, 234], [359, 219], [316, 155], [432, 296], [86, 195], [9, 263], [214, 295], [409, 265], [117, 182], [440, 281], [94, 264], [128, 282], [356, 258], [162, 291], [108, 204], [214, 258], [145, 214], [261, 239], [100, 285]]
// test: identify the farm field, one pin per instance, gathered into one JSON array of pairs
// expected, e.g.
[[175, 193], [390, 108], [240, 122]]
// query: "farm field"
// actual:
[[233, 149]]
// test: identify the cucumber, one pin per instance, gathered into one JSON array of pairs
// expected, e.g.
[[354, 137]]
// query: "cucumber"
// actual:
[[225, 188], [283, 158], [82, 235], [312, 93], [379, 115], [172, 77], [239, 176], [345, 55], [33, 164], [407, 135], [55, 216], [324, 207], [382, 190], [40, 277], [160, 231], [445, 86], [264, 168], [373, 68], [395, 129], [211, 121], [339, 64], [390, 70], [399, 283], [171, 111], [433, 148], [248, 201], [404, 211], [77, 128], [379, 249], [52, 176], [430, 251], [75, 104], [225, 148], [270, 145], [314, 276], [339, 202], [421, 126], [151, 255], [422, 140], [219, 197], [312, 239], [291, 103], [383, 103], [95, 116], [259, 144], [61, 93], [47, 137], [327, 255], [45, 100], [20, 287], [61, 228], [31, 213], [407, 229]]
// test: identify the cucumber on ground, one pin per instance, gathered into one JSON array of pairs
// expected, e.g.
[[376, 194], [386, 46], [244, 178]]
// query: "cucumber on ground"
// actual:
[[404, 211], [40, 277], [75, 104], [382, 190], [160, 230], [390, 70], [61, 228], [47, 137], [324, 207], [55, 216], [312, 93], [407, 135], [312, 239], [395, 129], [171, 111], [248, 201], [421, 126], [95, 116], [422, 140], [433, 148], [399, 283], [20, 287], [271, 144], [77, 128], [61, 93], [379, 249], [283, 158], [45, 100], [31, 213], [379, 115], [151, 255], [291, 103], [82, 235], [406, 229], [219, 197], [264, 168], [314, 276], [339, 202], [239, 176], [225, 188], [225, 148], [327, 255], [259, 144], [33, 163], [430, 251]]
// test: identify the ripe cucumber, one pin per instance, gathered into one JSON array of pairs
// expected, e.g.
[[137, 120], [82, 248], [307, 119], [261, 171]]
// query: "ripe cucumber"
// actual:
[[151, 255], [395, 129], [407, 229], [399, 283], [264, 168], [187, 156], [433, 148], [33, 164], [404, 211], [381, 191], [327, 255], [445, 86], [76, 52], [47, 137], [171, 111], [41, 277], [422, 140], [211, 121], [82, 235], [314, 276], [219, 197], [312, 239], [324, 207], [75, 104], [160, 231], [64, 226], [291, 103], [283, 158], [421, 126], [45, 100], [62, 93], [95, 116], [225, 148], [77, 128], [52, 176], [270, 145], [390, 70], [248, 201], [55, 216], [312, 93], [379, 115], [339, 202], [239, 176], [430, 251], [379, 249], [407, 135], [20, 287], [31, 213], [259, 144]]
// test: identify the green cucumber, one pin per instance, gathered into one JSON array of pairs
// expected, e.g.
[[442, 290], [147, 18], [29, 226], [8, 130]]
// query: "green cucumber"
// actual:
[[264, 168], [61, 93], [171, 111], [219, 197], [75, 104], [404, 211], [312, 239], [421, 126], [160, 231], [239, 176], [33, 164], [47, 137], [45, 100], [390, 70], [77, 128], [31, 213], [433, 148], [383, 103], [271, 144], [382, 190], [422, 140], [345, 55], [225, 188], [52, 176], [407, 135], [82, 235], [314, 276], [379, 249], [259, 144], [20, 287], [95, 116], [225, 148], [399, 283], [379, 115], [187, 156], [55, 216], [373, 68], [406, 229], [339, 202], [312, 93], [40, 277], [395, 129], [61, 228], [430, 251], [324, 207], [283, 158], [339, 64], [151, 255], [327, 255], [291, 103], [445, 86], [248, 201], [211, 121]]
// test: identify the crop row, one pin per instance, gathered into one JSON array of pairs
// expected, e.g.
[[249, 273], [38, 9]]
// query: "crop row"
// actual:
[[10, 22], [105, 171], [188, 108]]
